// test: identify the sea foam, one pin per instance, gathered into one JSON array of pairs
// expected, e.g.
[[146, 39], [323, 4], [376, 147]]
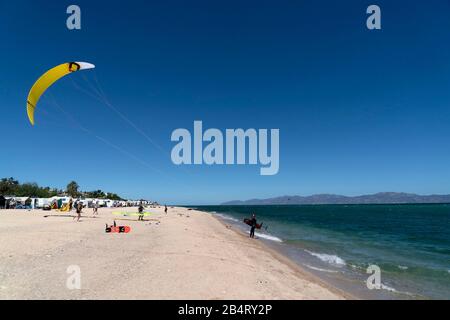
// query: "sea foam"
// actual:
[[225, 217], [268, 237], [328, 258], [320, 269], [387, 288]]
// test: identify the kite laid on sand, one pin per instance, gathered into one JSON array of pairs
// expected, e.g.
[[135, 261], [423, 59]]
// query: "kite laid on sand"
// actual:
[[64, 208], [119, 213], [49, 78]]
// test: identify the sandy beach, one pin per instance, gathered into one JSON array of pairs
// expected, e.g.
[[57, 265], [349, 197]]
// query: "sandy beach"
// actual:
[[185, 254]]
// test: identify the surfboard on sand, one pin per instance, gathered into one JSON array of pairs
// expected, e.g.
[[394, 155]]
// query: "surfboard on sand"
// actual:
[[249, 222]]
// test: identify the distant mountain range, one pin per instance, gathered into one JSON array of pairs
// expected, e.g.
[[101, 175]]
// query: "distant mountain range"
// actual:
[[377, 198]]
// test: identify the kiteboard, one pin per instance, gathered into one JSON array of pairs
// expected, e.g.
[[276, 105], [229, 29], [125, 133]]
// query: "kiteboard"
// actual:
[[249, 222], [117, 229]]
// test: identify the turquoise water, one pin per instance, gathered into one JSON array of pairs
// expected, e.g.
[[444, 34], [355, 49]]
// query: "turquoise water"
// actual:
[[410, 244]]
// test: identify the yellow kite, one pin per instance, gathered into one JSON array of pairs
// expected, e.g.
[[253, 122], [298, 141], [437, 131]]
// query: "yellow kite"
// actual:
[[47, 79]]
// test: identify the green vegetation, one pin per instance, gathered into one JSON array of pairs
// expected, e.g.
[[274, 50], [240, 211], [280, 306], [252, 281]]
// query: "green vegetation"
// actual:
[[10, 186], [72, 189], [99, 194]]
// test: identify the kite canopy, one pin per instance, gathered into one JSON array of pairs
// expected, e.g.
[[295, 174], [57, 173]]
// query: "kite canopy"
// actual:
[[47, 79], [121, 213]]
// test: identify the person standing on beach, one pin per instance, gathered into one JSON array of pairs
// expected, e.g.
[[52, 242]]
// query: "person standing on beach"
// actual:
[[79, 208], [165, 209], [253, 226], [70, 204], [141, 212], [95, 209]]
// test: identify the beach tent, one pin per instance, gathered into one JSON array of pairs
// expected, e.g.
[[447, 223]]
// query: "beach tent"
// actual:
[[101, 203], [33, 203], [65, 199], [39, 203], [122, 203], [25, 201], [110, 203], [88, 202], [21, 202], [60, 200], [10, 203]]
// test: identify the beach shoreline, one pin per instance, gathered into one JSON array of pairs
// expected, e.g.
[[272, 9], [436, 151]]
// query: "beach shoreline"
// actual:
[[285, 259], [185, 254]]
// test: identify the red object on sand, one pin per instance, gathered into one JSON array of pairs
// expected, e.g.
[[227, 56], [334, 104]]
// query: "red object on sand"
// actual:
[[119, 229]]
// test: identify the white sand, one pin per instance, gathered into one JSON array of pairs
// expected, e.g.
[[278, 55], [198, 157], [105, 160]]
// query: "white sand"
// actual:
[[189, 255]]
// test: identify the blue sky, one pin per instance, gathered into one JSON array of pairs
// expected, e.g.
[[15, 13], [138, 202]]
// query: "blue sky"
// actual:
[[359, 111]]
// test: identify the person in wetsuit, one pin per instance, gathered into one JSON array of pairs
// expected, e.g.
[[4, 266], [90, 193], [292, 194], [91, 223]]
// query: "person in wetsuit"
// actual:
[[253, 226], [141, 212], [79, 207]]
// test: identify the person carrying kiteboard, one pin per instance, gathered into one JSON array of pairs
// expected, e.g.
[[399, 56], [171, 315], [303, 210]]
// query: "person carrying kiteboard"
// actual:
[[253, 226]]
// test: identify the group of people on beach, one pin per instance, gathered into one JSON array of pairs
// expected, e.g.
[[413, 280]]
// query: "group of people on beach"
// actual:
[[79, 208]]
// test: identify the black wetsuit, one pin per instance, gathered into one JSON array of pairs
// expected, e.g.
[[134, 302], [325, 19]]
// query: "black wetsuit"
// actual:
[[253, 226], [141, 213]]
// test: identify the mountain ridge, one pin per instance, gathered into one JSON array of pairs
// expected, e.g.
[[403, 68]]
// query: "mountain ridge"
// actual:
[[376, 198]]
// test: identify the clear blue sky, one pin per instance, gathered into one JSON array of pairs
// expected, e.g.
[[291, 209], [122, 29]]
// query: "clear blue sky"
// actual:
[[359, 111]]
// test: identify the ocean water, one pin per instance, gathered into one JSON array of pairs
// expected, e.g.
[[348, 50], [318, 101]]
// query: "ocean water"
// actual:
[[409, 243]]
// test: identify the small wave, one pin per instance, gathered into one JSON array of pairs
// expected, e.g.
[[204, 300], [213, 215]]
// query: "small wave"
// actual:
[[403, 267], [319, 269], [357, 267], [387, 288], [268, 237], [225, 217], [391, 289], [328, 258]]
